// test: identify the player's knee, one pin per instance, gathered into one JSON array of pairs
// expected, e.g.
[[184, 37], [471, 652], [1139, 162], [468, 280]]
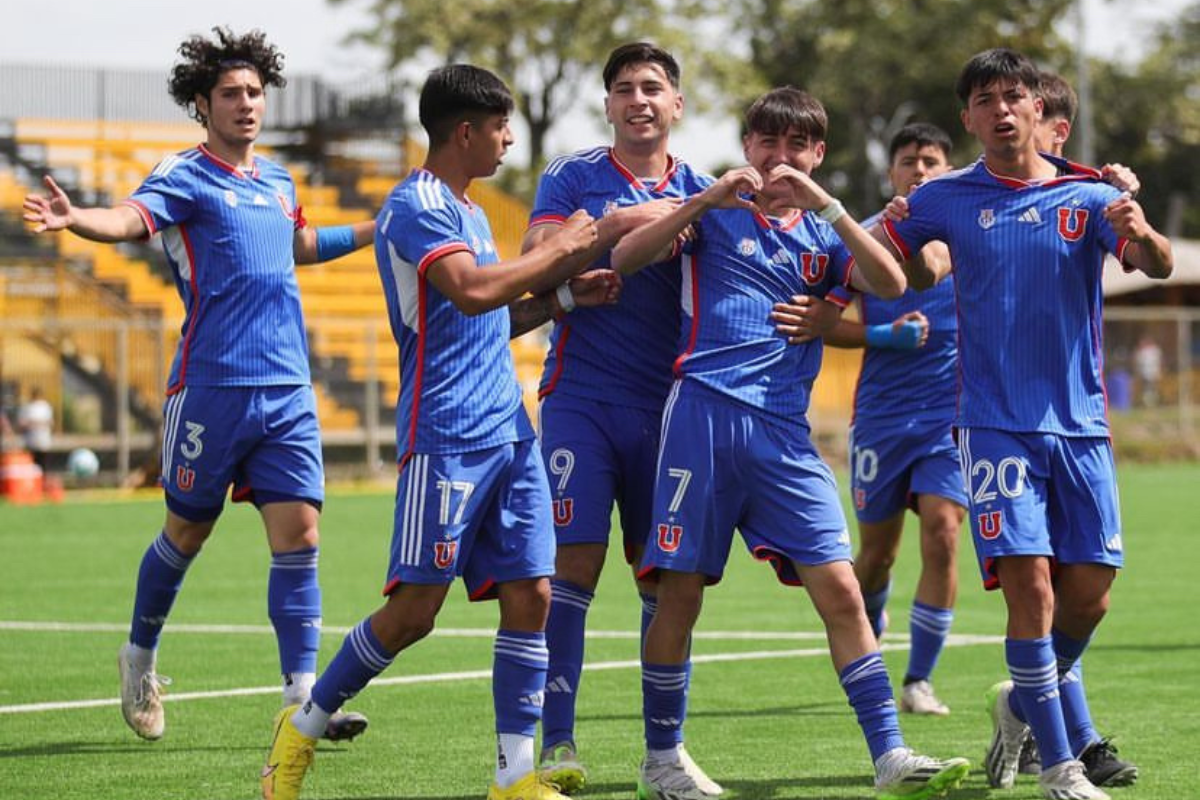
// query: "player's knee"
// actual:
[[580, 564]]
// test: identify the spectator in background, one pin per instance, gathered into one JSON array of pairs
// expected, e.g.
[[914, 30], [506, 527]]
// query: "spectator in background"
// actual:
[[1147, 364], [35, 421]]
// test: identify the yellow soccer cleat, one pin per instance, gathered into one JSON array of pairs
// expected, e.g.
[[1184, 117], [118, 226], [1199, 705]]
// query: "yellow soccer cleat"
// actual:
[[532, 787], [290, 757]]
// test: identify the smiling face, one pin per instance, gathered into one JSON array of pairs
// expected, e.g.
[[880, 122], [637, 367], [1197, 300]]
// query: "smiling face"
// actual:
[[642, 105], [234, 109], [765, 151], [1003, 116]]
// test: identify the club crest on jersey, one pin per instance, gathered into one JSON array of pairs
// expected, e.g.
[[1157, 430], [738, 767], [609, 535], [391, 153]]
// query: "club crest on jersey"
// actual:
[[185, 478], [669, 537], [564, 512], [991, 523], [444, 554], [747, 247], [1072, 223], [987, 218], [231, 198], [813, 266], [609, 208]]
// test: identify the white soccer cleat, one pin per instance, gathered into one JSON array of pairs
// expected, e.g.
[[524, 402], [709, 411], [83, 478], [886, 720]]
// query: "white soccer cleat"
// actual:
[[141, 697], [1008, 735], [901, 773], [918, 698], [1068, 781], [676, 780]]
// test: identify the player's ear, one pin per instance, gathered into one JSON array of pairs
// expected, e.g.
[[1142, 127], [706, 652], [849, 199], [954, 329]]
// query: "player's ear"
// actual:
[[1062, 131], [818, 154]]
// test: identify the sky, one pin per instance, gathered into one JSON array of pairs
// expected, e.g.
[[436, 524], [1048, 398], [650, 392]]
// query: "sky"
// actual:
[[144, 34]]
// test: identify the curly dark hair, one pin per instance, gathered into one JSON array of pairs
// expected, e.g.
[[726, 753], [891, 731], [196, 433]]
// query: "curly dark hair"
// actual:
[[205, 60]]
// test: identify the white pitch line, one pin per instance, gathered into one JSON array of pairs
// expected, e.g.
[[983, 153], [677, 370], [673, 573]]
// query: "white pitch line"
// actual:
[[955, 640]]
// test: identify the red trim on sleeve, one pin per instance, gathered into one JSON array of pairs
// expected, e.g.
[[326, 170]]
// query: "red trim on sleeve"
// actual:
[[298, 218], [144, 213], [440, 252], [1122, 246], [545, 219]]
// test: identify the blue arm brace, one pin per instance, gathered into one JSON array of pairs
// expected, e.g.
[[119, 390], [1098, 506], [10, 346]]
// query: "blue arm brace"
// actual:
[[906, 337], [334, 242]]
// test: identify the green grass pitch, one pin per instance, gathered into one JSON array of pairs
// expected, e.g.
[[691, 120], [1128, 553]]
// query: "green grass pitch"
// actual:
[[767, 718]]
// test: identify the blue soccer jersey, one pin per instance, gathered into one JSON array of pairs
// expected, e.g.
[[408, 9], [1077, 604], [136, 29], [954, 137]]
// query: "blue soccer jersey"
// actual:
[[738, 266], [229, 238], [619, 354], [458, 385], [1027, 265]]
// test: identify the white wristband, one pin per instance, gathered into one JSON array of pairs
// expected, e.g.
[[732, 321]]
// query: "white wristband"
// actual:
[[832, 212], [566, 300]]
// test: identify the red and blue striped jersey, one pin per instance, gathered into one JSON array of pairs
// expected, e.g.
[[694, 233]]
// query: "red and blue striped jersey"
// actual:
[[622, 353], [736, 268], [229, 237], [458, 385], [1027, 266]]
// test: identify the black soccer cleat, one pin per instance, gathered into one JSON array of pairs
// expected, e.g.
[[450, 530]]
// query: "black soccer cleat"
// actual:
[[1104, 768], [344, 726]]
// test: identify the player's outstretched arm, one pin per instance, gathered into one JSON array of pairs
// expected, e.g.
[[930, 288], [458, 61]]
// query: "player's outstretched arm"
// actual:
[[314, 245], [1148, 250], [646, 244], [477, 291], [55, 212]]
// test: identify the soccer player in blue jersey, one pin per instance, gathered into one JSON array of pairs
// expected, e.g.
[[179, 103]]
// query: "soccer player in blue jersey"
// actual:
[[735, 448], [902, 454], [608, 371], [472, 498], [240, 408], [1097, 753], [1027, 234]]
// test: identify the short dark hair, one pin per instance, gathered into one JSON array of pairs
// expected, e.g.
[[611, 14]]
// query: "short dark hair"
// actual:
[[460, 92], [923, 134], [1058, 98], [787, 108], [987, 67], [639, 53], [206, 60]]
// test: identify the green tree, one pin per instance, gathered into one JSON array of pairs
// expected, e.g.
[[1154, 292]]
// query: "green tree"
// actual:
[[1148, 116], [547, 50], [877, 64]]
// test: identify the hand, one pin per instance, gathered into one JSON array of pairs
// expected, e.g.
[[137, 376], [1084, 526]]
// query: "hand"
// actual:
[[596, 287], [577, 234], [1121, 177], [728, 190], [805, 318], [788, 187], [896, 209], [911, 329], [51, 212], [1127, 219]]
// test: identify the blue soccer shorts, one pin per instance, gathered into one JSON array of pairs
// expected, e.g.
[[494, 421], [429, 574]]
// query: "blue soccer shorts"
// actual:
[[1039, 494], [721, 467], [891, 465], [482, 515], [597, 454], [263, 440]]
